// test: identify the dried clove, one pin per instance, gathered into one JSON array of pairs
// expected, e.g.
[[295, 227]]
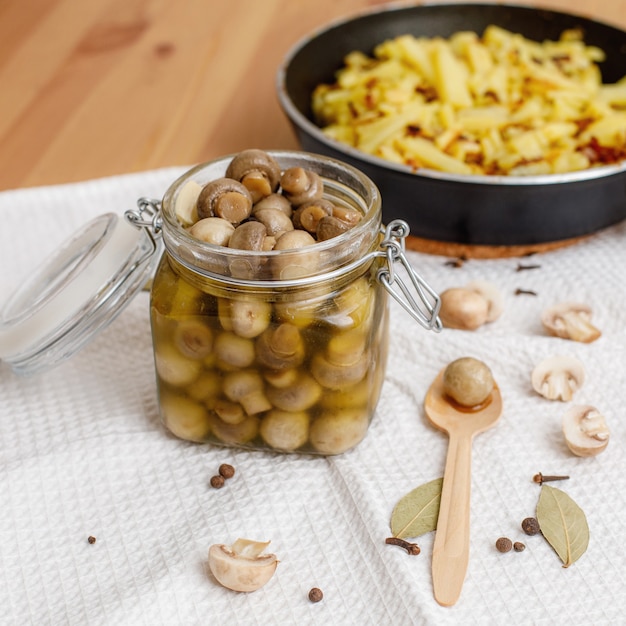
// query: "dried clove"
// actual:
[[411, 548], [539, 478], [525, 292], [530, 266], [458, 262]]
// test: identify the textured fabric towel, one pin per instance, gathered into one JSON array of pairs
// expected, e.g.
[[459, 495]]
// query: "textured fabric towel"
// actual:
[[82, 453]]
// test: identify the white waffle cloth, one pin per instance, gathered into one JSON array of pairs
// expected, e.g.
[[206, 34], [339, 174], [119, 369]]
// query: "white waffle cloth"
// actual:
[[82, 453]]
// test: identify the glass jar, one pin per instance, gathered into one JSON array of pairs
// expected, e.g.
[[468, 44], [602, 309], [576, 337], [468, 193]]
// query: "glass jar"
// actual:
[[282, 350]]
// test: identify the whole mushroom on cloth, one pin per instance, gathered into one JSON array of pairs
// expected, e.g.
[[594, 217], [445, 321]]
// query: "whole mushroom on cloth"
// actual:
[[469, 307]]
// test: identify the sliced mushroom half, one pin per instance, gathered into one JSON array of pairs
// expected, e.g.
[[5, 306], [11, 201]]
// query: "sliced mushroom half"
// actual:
[[558, 377], [585, 430], [242, 566], [570, 320]]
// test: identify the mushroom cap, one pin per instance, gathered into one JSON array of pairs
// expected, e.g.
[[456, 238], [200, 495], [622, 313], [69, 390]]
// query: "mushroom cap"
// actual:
[[285, 430], [336, 431], [585, 430], [248, 236], [245, 570], [330, 226], [273, 201], [253, 160], [225, 197], [301, 185], [570, 320], [215, 230], [276, 222], [558, 377]]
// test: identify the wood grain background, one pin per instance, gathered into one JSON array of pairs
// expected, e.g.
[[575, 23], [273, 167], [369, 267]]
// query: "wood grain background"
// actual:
[[92, 88]]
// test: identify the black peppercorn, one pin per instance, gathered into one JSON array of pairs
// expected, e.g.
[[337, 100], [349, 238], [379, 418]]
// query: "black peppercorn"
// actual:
[[226, 470], [91, 539], [530, 526], [315, 595], [504, 544], [217, 481]]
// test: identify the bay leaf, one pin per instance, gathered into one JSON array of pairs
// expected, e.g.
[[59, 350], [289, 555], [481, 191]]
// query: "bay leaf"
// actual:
[[416, 513], [563, 524]]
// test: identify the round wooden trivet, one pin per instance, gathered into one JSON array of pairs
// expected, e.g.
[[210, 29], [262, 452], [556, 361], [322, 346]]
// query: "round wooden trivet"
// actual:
[[471, 251]]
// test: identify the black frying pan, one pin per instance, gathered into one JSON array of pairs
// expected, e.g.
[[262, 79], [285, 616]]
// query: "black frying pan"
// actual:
[[492, 211]]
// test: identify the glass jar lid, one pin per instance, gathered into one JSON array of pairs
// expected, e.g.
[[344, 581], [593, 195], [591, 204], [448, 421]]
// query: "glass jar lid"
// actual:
[[75, 293]]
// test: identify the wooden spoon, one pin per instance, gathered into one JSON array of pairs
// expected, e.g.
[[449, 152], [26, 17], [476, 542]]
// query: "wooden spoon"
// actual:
[[451, 548]]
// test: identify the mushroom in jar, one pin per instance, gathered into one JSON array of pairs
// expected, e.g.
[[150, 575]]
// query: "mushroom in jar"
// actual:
[[245, 317], [236, 434], [215, 230], [242, 566], [285, 430], [275, 221], [558, 377], [280, 347], [257, 171], [247, 388], [335, 431], [185, 206], [300, 185], [585, 430], [273, 201], [308, 215], [289, 266], [193, 337], [225, 198], [299, 395], [468, 381], [249, 236], [175, 368], [185, 418], [570, 320]]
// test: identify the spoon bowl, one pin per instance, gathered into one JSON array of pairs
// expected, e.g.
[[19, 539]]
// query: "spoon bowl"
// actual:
[[451, 547]]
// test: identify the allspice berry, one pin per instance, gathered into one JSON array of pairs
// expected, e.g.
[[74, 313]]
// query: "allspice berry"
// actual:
[[518, 546], [530, 526], [504, 544], [315, 595], [217, 481], [226, 470]]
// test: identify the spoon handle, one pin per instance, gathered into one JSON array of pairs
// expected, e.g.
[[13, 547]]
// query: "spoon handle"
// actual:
[[451, 548]]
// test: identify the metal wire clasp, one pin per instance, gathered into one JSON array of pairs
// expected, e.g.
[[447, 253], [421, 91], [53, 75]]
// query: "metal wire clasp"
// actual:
[[425, 310], [148, 216]]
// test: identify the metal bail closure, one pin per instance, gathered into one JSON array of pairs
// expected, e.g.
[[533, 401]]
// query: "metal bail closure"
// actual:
[[79, 290], [425, 310]]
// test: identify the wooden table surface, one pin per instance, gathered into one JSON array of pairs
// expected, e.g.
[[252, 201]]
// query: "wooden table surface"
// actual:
[[92, 88]]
